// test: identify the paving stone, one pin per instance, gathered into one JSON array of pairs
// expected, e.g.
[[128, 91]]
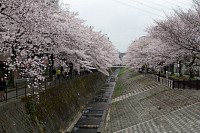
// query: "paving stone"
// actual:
[[147, 107]]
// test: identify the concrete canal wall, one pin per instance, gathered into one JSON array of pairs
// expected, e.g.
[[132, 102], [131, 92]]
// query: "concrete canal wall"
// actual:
[[53, 110]]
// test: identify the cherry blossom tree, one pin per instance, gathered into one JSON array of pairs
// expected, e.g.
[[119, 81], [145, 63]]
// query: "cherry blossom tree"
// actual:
[[148, 51], [175, 39], [182, 32], [33, 31]]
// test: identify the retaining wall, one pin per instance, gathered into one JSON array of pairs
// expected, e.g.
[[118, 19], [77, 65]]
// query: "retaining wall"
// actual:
[[51, 111]]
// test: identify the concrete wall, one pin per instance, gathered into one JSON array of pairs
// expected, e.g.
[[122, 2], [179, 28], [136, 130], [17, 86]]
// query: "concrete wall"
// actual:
[[53, 110], [14, 119]]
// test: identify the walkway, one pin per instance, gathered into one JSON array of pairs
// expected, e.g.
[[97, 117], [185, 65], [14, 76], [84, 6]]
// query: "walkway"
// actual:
[[144, 106]]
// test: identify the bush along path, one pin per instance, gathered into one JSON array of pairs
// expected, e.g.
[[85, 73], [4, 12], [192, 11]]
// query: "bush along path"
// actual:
[[145, 106]]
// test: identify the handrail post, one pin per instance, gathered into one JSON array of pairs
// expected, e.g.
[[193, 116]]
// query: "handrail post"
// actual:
[[25, 88], [171, 83], [178, 83], [6, 93], [16, 91], [50, 81], [59, 79], [45, 83], [33, 89]]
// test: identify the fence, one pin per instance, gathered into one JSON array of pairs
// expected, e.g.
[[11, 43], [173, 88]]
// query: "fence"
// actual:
[[22, 89], [161, 80], [187, 84], [179, 84]]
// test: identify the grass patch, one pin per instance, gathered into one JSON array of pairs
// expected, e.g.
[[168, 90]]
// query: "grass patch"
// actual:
[[118, 90], [122, 71]]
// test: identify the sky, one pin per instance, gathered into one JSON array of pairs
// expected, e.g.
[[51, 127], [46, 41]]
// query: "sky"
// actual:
[[124, 21]]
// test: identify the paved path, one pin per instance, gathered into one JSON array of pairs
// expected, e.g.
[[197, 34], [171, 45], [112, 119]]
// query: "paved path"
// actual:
[[145, 106]]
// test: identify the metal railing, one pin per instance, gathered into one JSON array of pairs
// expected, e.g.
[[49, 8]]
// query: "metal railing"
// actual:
[[24, 88], [179, 84], [186, 84]]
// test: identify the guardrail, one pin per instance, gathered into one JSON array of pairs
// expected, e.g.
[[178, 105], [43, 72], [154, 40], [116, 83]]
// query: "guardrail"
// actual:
[[178, 84], [187, 84], [21, 88]]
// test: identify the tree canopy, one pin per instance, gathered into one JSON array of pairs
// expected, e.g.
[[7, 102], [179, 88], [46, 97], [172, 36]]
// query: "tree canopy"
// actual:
[[175, 39], [32, 30]]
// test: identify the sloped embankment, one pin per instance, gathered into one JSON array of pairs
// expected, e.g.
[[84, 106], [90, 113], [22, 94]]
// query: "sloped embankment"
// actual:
[[53, 110], [145, 106], [128, 80]]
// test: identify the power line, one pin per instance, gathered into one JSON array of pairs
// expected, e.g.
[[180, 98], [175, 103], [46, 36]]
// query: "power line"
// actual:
[[166, 1], [134, 7], [146, 5], [159, 4], [169, 2], [183, 2]]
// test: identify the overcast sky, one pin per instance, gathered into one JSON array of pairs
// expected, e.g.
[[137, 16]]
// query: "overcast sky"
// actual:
[[123, 20]]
